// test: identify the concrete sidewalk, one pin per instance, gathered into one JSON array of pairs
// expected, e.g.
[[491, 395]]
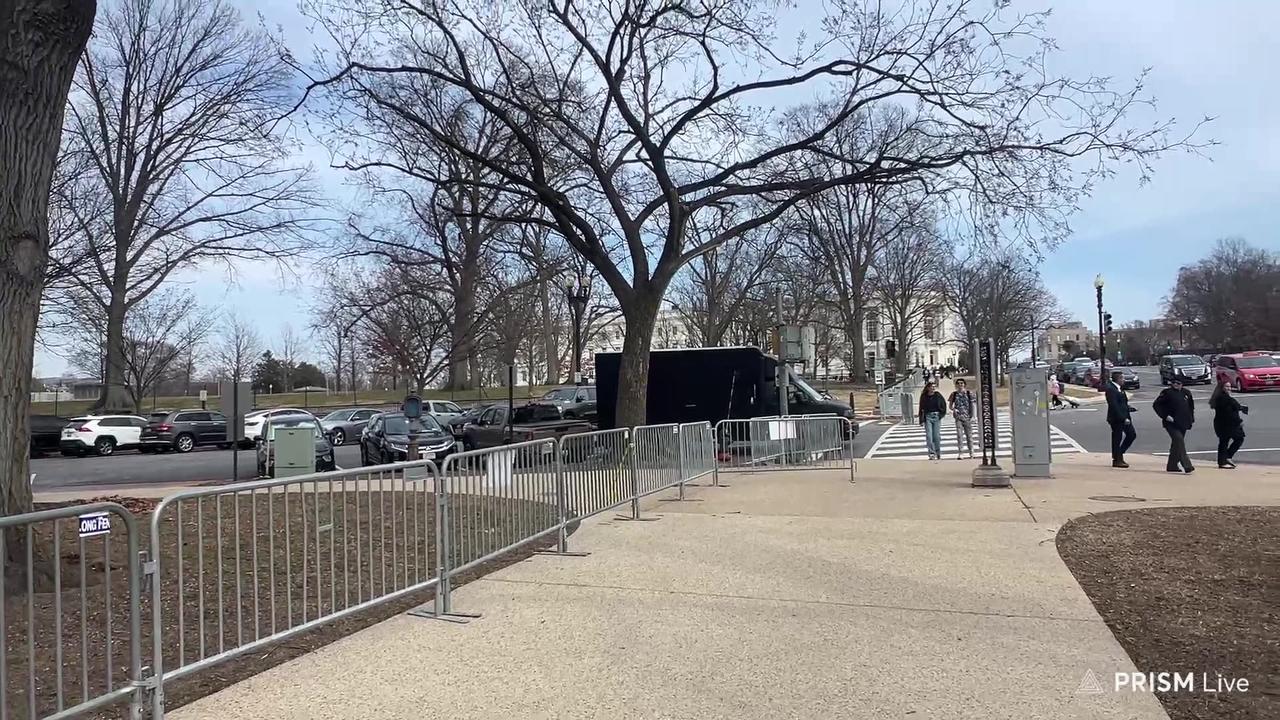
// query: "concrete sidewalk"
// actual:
[[784, 595]]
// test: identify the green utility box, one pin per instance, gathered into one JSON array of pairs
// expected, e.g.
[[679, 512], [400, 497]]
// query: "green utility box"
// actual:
[[295, 451]]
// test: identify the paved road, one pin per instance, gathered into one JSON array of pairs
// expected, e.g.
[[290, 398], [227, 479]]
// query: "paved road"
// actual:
[[133, 468], [1088, 426]]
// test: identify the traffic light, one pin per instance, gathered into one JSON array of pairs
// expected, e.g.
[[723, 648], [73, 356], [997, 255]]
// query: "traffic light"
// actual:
[[1106, 321], [891, 349]]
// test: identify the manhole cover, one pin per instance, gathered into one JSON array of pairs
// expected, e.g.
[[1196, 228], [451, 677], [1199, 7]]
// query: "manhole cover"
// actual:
[[1117, 498]]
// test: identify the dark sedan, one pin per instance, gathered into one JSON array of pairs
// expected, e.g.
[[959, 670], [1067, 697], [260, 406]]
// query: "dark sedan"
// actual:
[[46, 433], [458, 423], [386, 440]]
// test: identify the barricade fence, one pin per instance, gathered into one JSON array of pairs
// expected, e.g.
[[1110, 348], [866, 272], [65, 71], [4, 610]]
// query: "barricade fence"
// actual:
[[793, 442], [232, 569]]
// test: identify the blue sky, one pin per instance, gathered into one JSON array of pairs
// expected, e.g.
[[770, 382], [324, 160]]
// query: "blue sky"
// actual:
[[1206, 59]]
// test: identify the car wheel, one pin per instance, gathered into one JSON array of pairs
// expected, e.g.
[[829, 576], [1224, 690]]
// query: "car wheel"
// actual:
[[338, 437], [1239, 386], [184, 443], [104, 446]]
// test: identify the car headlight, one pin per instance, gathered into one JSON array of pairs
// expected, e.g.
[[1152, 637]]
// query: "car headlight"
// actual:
[[398, 448]]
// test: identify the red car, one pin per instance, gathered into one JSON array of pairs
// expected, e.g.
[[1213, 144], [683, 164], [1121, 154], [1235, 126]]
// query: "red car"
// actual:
[[1249, 371]]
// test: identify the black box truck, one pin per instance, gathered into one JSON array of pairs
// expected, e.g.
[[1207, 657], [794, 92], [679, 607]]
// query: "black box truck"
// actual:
[[711, 384]]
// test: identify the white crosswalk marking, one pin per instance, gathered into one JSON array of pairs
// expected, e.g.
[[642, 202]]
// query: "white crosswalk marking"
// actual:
[[906, 442]]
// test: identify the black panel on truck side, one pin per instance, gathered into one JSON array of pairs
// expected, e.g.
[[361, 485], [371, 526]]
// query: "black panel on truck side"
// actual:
[[689, 385]]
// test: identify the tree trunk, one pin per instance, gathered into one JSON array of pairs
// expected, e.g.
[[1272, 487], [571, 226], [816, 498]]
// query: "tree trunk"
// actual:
[[858, 341], [115, 396], [551, 335], [633, 372], [40, 41]]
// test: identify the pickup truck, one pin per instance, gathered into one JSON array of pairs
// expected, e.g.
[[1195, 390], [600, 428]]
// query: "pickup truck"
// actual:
[[531, 422]]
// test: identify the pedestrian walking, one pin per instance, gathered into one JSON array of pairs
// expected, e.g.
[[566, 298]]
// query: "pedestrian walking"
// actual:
[[1227, 423], [1059, 397], [963, 404], [1177, 411], [1119, 417], [932, 408]]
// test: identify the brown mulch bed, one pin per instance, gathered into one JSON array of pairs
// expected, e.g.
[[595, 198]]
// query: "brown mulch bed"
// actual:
[[303, 570], [1193, 589]]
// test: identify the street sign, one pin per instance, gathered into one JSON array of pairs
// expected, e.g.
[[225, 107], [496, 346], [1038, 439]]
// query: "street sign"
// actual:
[[987, 397], [94, 524], [204, 395]]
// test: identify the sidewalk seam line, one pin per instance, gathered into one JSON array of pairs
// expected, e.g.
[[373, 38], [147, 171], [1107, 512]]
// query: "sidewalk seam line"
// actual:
[[1024, 503], [827, 603]]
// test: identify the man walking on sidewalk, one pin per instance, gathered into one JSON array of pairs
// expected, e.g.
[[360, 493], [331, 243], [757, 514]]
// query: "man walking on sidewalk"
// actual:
[[1177, 410], [962, 407], [1119, 414]]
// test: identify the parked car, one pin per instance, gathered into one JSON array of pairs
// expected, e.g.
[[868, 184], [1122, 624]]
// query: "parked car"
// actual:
[[386, 440], [253, 421], [1129, 381], [346, 425], [185, 430], [267, 447], [1190, 369], [530, 422], [46, 433], [457, 423], [101, 434], [1249, 371], [1080, 372], [574, 402], [441, 410]]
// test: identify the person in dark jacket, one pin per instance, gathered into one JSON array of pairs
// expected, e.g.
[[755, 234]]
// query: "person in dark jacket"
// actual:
[[1177, 410], [1227, 423], [1119, 418], [932, 408]]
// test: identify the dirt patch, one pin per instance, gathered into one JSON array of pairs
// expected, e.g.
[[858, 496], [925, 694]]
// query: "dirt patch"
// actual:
[[1189, 590], [236, 568]]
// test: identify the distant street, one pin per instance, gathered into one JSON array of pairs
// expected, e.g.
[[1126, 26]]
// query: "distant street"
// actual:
[[1088, 427]]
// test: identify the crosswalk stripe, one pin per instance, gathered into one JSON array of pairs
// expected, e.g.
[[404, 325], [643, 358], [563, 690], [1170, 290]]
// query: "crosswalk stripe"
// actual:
[[907, 442]]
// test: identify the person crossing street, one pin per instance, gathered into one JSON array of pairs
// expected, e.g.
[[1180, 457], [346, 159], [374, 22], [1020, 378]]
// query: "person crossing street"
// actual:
[[1119, 417], [1227, 423], [932, 408], [1177, 411], [963, 407]]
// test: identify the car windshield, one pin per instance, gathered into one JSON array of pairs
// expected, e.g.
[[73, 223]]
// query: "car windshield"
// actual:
[[337, 415], [399, 425], [1262, 361], [804, 388], [559, 395], [1187, 360]]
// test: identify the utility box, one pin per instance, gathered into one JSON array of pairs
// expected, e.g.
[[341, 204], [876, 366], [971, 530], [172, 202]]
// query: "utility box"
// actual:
[[295, 451], [1029, 413]]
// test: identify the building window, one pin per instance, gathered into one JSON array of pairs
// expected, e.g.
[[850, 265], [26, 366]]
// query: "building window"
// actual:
[[929, 329], [873, 326]]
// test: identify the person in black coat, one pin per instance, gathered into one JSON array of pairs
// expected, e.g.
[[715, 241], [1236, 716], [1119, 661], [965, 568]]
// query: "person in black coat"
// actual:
[[1119, 418], [1227, 424], [1177, 410]]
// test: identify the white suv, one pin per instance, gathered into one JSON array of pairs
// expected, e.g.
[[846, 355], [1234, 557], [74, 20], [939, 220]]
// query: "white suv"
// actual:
[[101, 434], [254, 421]]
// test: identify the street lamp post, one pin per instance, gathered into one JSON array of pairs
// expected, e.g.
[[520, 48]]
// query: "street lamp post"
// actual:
[[578, 292], [1102, 332]]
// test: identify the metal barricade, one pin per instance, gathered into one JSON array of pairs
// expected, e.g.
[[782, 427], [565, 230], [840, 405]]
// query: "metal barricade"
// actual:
[[697, 451], [798, 442], [595, 471], [494, 501], [656, 460], [245, 565], [84, 657]]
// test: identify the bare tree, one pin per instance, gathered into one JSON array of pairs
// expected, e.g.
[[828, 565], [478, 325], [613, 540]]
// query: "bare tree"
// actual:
[[177, 105], [290, 353], [159, 335], [997, 293], [712, 291], [237, 349], [632, 119], [907, 274], [40, 41], [1230, 299]]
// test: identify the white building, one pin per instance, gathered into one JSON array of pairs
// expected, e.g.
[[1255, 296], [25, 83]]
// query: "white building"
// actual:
[[940, 343]]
